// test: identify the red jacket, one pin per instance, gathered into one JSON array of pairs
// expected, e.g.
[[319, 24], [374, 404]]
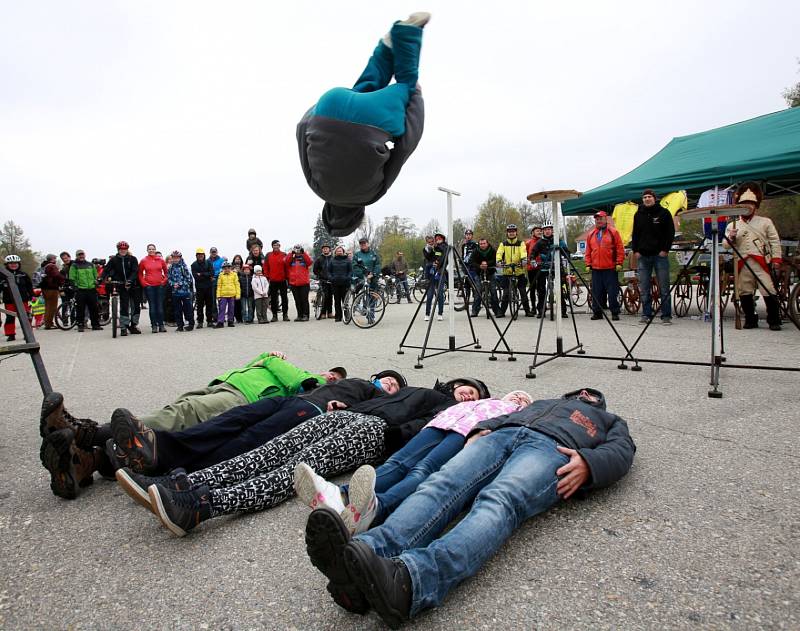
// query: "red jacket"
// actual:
[[152, 271], [299, 269], [533, 261], [274, 267], [606, 254]]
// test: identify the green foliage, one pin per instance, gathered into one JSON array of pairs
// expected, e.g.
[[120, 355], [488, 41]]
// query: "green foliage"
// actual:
[[14, 241], [493, 216], [792, 95], [785, 213], [398, 234], [576, 226]]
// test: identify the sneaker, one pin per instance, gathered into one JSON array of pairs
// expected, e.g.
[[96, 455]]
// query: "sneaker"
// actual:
[[326, 539], [219, 325], [440, 318], [134, 330], [666, 321], [427, 318], [136, 484], [180, 511], [615, 316], [274, 318], [135, 443], [359, 513], [179, 329], [386, 583], [56, 455], [190, 327], [162, 329], [315, 491], [116, 459], [596, 316], [154, 329]]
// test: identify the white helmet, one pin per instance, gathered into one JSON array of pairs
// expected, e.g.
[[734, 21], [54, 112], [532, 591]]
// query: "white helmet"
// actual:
[[13, 258]]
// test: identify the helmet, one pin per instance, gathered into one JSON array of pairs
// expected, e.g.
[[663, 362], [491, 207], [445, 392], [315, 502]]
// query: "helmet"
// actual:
[[13, 258], [251, 231], [468, 231], [176, 253], [511, 226], [547, 225], [401, 381], [199, 251], [535, 227], [95, 261], [101, 262], [122, 245]]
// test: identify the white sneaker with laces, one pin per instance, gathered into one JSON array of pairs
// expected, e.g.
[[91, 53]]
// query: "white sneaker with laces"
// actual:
[[427, 317], [363, 506]]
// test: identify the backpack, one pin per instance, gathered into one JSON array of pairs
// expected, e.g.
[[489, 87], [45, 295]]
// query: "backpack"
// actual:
[[37, 278]]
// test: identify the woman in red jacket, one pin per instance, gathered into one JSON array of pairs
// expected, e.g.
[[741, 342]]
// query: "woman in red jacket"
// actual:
[[298, 265], [153, 279], [604, 255]]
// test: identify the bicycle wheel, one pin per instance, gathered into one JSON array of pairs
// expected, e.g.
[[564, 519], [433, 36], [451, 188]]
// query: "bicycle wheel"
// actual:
[[367, 310], [655, 293], [114, 315], [461, 302], [631, 298], [702, 295], [794, 305], [420, 289], [347, 307], [318, 301], [682, 294], [578, 294], [513, 298], [66, 315]]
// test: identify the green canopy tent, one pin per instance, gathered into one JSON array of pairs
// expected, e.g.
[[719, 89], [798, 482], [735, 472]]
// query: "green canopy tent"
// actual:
[[765, 149]]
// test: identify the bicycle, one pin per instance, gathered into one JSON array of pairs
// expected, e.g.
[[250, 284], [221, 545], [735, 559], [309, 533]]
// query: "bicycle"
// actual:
[[510, 294], [113, 316], [485, 288], [67, 312], [578, 294], [319, 298]]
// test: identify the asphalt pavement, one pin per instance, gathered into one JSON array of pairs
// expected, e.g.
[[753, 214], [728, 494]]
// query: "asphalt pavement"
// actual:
[[703, 533]]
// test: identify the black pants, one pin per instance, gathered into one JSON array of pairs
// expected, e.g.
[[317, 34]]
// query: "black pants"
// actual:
[[300, 294], [278, 288], [339, 292], [533, 286], [505, 284], [87, 299], [230, 434], [129, 300], [205, 299]]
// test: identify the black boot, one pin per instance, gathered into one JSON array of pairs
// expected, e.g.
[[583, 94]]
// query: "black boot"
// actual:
[[773, 313], [748, 305]]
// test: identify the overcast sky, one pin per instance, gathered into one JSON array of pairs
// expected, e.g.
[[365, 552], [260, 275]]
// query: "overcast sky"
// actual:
[[174, 122]]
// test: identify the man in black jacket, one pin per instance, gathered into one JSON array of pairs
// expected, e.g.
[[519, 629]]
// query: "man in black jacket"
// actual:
[[483, 262], [123, 268], [238, 430], [523, 464], [653, 232], [354, 142], [203, 274], [321, 269]]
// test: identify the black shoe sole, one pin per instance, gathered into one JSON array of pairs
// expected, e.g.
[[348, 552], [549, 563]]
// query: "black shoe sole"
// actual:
[[139, 454], [49, 404], [359, 568], [56, 456], [326, 538]]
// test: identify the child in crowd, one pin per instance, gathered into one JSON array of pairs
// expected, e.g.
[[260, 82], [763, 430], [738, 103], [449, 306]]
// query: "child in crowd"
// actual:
[[179, 279], [260, 286], [228, 291], [246, 291], [36, 308], [374, 494]]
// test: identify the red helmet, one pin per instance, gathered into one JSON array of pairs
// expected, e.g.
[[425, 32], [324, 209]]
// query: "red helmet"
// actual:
[[123, 245]]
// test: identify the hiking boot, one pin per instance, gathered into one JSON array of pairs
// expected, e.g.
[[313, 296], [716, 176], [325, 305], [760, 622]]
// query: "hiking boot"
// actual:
[[54, 417], [315, 491], [134, 330], [136, 484], [56, 456], [326, 539], [180, 511], [386, 583], [359, 513], [134, 444]]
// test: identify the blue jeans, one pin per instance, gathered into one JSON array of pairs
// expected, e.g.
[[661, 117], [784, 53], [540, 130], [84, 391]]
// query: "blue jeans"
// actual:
[[661, 266], [432, 292], [511, 476], [401, 474], [155, 304]]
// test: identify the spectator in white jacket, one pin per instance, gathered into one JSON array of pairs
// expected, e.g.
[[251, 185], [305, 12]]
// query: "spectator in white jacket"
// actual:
[[260, 286]]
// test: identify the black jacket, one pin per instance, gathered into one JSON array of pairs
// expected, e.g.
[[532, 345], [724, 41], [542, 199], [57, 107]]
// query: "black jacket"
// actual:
[[653, 230], [322, 266], [405, 413], [350, 166], [340, 270], [23, 283], [479, 256], [123, 269], [601, 438], [350, 391], [203, 274]]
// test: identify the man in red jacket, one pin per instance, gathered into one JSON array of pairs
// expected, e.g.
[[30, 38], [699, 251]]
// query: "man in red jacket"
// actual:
[[274, 269], [604, 255], [298, 266]]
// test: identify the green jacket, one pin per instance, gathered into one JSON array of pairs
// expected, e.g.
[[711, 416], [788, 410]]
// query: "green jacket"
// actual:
[[274, 378], [84, 275]]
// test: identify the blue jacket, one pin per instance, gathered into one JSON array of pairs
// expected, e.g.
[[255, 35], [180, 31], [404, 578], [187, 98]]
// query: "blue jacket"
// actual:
[[179, 279], [217, 263]]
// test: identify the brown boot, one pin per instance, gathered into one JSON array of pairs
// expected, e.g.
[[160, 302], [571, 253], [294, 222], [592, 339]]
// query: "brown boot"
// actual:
[[56, 456], [54, 417]]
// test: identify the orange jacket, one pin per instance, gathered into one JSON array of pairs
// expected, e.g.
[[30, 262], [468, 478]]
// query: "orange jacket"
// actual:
[[605, 254]]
